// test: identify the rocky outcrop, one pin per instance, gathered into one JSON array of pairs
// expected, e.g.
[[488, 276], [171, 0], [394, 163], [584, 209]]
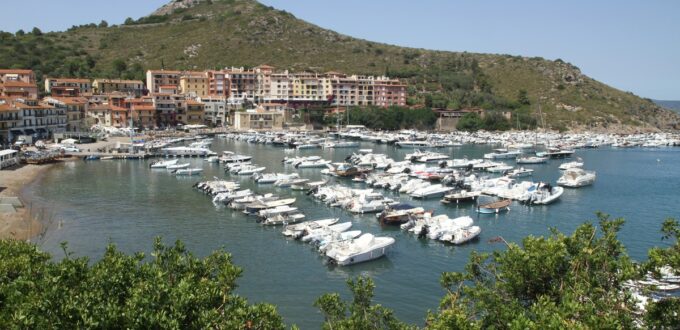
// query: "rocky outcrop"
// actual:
[[170, 7]]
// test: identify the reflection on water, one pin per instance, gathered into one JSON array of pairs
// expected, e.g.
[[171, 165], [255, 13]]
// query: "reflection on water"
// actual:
[[126, 203]]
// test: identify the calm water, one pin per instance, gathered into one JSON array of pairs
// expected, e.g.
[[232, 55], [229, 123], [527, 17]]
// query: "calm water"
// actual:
[[126, 203]]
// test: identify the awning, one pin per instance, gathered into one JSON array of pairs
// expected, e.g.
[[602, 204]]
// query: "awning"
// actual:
[[17, 131], [42, 130], [29, 131]]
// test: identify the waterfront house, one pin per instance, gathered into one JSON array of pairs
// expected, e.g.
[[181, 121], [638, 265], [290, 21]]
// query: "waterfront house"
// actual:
[[195, 112], [76, 110]]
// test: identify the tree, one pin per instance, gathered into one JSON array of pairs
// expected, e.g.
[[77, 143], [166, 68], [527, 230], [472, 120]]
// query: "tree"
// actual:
[[559, 282], [20, 32], [359, 314], [129, 21], [470, 122], [663, 314], [119, 66], [36, 31], [103, 24], [523, 97], [173, 289]]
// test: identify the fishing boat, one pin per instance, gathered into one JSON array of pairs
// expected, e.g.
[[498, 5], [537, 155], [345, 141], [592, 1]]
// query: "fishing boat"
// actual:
[[364, 248], [494, 207]]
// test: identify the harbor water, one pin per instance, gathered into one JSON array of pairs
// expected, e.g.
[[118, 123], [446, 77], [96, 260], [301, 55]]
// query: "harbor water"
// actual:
[[127, 203]]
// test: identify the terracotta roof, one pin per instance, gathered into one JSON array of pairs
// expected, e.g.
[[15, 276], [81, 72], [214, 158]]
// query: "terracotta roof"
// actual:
[[26, 106], [70, 100], [117, 108], [16, 71], [76, 80], [18, 84], [143, 107], [165, 71], [7, 107], [118, 81]]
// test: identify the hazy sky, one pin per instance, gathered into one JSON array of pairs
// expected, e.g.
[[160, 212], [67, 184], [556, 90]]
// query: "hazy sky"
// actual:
[[631, 45]]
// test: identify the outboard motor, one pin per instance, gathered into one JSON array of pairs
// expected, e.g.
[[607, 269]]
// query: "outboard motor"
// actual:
[[423, 232]]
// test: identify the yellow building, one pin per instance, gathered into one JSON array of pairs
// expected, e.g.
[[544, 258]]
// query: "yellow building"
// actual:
[[130, 87], [194, 84], [195, 112]]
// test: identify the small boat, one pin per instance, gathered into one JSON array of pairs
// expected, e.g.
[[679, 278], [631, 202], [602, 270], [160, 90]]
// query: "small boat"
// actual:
[[364, 248], [255, 207], [283, 209], [520, 172], [296, 229], [188, 171], [163, 163], [212, 159], [250, 170], [568, 165], [398, 214], [107, 158], [464, 235], [312, 234], [532, 160], [177, 166], [283, 219], [91, 157], [499, 168], [543, 194], [313, 163], [494, 207], [502, 154], [435, 190], [461, 196]]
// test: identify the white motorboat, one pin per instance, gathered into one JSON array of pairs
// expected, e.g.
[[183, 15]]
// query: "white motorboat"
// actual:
[[325, 242], [463, 235], [313, 234], [188, 171], [435, 190], [532, 160], [502, 154], [576, 177], [520, 172], [543, 194], [177, 166], [255, 207], [250, 170], [163, 163], [212, 159], [568, 165], [364, 248], [297, 229], [461, 196], [273, 177], [282, 219], [499, 168], [187, 151], [232, 158], [241, 202], [313, 163], [283, 209], [413, 144]]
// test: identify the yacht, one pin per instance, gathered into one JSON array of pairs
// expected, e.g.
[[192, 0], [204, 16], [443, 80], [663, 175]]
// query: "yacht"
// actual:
[[435, 190], [532, 160]]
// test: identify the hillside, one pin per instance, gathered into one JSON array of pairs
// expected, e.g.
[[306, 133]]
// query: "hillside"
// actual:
[[195, 34]]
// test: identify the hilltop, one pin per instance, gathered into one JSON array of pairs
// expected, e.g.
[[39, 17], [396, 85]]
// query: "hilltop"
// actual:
[[212, 34]]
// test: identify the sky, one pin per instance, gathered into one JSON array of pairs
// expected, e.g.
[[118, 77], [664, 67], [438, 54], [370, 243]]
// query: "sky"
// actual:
[[630, 45]]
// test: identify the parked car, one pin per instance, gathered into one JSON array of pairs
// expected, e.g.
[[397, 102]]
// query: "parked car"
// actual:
[[69, 149]]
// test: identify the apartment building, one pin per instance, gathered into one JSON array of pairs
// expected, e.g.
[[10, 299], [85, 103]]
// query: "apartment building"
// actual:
[[142, 112], [389, 92], [242, 83], [68, 87], [218, 83], [40, 119], [157, 78], [130, 87], [100, 113], [195, 112], [258, 119], [18, 83], [194, 84], [75, 109]]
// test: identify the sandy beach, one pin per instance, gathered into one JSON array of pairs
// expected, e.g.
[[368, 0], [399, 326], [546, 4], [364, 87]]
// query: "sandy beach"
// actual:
[[21, 224]]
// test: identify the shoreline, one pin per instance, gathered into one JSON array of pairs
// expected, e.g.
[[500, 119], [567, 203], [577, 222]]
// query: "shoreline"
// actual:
[[23, 224]]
